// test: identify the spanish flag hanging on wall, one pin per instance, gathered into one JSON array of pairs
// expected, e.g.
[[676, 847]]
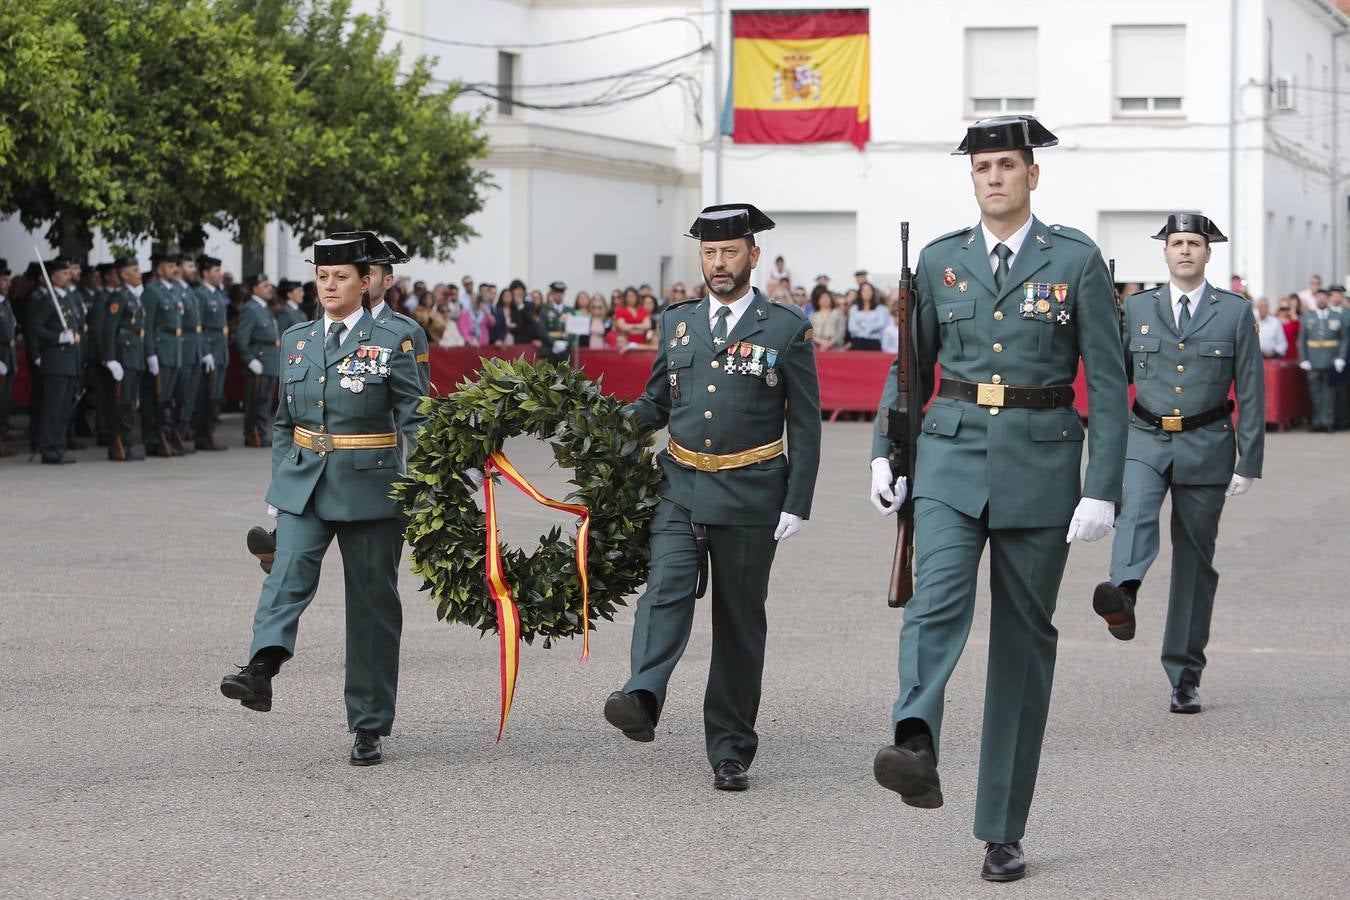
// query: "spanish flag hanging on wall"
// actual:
[[801, 78]]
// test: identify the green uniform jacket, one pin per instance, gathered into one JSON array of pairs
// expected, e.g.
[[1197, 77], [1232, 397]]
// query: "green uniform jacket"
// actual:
[[288, 317], [1023, 464], [215, 324], [43, 330], [1188, 374], [8, 329], [86, 313], [192, 324], [256, 337], [345, 485], [163, 323], [390, 318], [1323, 341], [121, 329], [708, 409]]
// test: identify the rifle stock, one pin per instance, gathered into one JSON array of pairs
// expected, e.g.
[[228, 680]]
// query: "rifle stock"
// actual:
[[899, 425]]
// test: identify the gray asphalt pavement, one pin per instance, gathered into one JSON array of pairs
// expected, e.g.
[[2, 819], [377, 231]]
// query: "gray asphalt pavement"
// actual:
[[127, 594]]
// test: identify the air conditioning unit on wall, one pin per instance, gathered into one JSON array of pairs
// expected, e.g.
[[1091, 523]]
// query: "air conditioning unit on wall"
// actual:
[[1282, 93]]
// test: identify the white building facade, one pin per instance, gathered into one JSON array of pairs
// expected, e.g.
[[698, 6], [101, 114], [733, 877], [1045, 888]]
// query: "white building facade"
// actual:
[[602, 121]]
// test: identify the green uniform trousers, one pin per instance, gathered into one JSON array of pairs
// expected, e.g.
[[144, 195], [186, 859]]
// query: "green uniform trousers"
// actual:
[[208, 404], [58, 396], [741, 557], [258, 393], [371, 551], [1025, 568], [189, 386], [1323, 397], [1195, 529], [118, 405], [157, 417]]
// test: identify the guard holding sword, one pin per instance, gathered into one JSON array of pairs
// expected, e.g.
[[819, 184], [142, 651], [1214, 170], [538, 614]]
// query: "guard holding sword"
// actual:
[[1006, 308], [56, 346], [734, 371]]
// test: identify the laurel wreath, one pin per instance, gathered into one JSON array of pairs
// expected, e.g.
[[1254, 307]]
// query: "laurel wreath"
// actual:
[[614, 477]]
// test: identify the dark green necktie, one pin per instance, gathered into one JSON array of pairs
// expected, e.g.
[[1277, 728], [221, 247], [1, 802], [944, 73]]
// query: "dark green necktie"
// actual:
[[1002, 251], [330, 347], [1184, 318], [720, 329]]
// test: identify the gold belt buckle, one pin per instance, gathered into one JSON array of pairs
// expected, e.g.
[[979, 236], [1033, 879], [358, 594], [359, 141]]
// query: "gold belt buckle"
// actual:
[[707, 462], [1171, 423], [323, 442], [989, 394]]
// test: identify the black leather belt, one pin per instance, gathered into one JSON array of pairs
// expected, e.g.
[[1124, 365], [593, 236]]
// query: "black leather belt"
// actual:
[[1183, 423], [1010, 395]]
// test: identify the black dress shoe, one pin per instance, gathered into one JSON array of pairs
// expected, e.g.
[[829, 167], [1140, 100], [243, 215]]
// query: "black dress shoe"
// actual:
[[629, 714], [1116, 606], [58, 461], [1186, 698], [366, 749], [262, 544], [1003, 862], [251, 686], [730, 775], [910, 769]]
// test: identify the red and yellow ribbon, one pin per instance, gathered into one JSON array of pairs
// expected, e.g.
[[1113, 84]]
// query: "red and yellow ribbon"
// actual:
[[508, 616]]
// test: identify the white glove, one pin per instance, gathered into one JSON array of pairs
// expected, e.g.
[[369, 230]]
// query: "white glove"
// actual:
[[475, 476], [1239, 485], [885, 496], [1305, 366], [559, 346], [255, 366], [1340, 366], [272, 511], [115, 368], [67, 337], [153, 365], [4, 369], [209, 362], [788, 525], [1092, 520]]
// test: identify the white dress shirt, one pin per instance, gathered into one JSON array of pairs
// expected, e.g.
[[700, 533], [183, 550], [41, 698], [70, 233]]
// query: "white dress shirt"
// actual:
[[1177, 293], [135, 289], [1013, 243], [1273, 338], [377, 308], [347, 325], [737, 310]]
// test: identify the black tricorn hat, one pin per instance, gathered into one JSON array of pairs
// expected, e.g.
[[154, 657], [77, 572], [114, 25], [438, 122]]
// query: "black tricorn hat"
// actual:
[[205, 262], [4, 267], [103, 267], [729, 221], [60, 262], [122, 262], [396, 254], [1005, 133], [376, 252], [558, 286], [1191, 223], [165, 256], [339, 251]]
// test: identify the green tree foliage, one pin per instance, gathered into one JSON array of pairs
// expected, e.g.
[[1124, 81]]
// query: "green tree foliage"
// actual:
[[158, 117]]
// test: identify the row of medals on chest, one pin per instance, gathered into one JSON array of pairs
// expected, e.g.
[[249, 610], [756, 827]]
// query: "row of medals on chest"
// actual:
[[742, 358], [367, 360]]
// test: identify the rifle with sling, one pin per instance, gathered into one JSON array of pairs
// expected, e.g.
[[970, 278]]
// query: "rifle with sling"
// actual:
[[900, 425]]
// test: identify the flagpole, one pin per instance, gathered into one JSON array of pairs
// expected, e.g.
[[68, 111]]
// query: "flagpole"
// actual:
[[718, 96]]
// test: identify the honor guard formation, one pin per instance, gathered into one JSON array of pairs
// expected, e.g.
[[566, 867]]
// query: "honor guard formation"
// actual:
[[977, 447]]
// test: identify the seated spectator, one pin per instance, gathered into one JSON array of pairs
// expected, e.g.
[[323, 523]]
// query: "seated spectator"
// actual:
[[652, 337], [800, 301], [867, 320], [599, 314], [678, 293], [523, 325], [631, 320], [501, 320], [476, 321], [1274, 345], [828, 325], [890, 338], [1288, 313]]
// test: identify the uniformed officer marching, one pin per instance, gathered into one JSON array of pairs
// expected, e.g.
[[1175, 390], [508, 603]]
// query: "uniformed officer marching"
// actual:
[[555, 324], [1186, 344], [122, 341], [215, 350], [257, 340], [1323, 346], [164, 348], [351, 392], [54, 331], [733, 372], [384, 255], [1006, 307]]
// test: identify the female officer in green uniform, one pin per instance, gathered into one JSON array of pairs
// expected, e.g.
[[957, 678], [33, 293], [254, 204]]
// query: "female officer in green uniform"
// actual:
[[350, 393]]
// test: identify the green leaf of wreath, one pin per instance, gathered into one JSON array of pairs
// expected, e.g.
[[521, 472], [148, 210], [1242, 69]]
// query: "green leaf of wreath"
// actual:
[[614, 477]]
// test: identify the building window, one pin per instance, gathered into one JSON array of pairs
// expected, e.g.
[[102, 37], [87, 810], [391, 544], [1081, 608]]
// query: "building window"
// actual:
[[1150, 69], [1000, 71], [506, 82]]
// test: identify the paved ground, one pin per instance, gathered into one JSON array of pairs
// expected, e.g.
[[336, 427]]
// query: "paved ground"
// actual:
[[127, 594]]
